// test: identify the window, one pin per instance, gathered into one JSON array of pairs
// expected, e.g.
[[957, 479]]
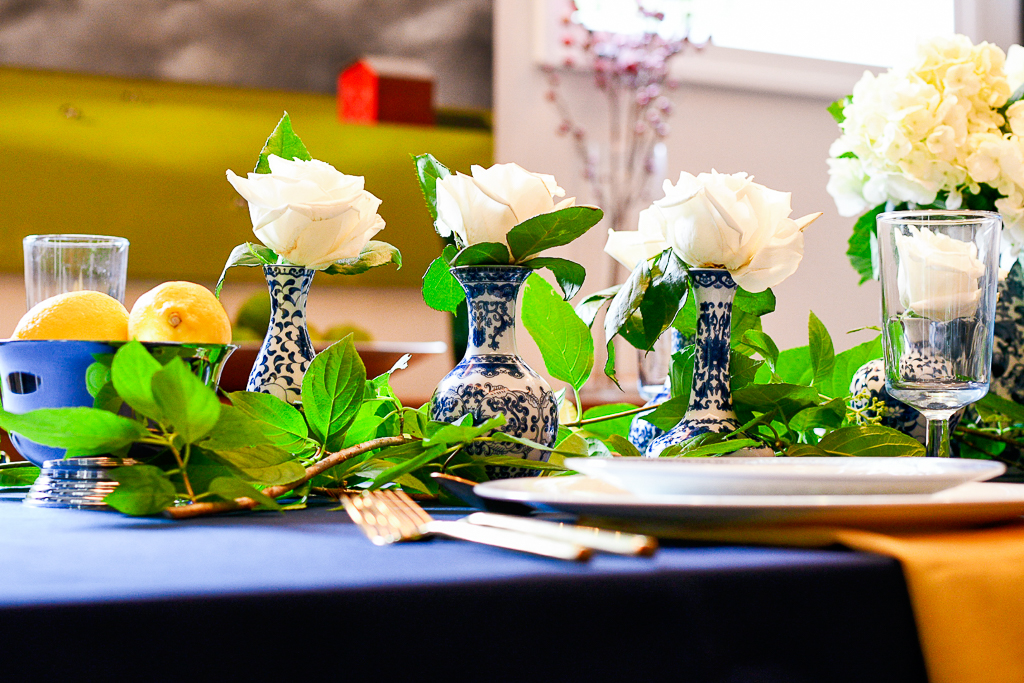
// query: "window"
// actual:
[[807, 47]]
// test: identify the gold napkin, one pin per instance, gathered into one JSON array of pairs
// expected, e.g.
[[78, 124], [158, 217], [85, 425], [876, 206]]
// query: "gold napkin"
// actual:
[[966, 588]]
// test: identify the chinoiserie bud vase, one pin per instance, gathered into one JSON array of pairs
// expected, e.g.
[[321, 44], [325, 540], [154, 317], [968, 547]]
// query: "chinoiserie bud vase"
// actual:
[[286, 350], [642, 432], [710, 408], [492, 379]]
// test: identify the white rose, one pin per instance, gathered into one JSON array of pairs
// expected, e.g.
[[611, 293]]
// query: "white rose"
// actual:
[[308, 212], [938, 276], [630, 247], [485, 206], [728, 221]]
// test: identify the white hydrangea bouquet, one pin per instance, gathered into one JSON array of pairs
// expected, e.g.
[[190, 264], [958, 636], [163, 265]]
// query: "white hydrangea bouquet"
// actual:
[[946, 131]]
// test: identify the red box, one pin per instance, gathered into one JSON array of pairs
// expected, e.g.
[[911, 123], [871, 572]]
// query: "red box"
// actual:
[[386, 89]]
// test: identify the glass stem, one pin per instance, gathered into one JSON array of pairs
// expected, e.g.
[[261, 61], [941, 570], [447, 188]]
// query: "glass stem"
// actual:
[[937, 440]]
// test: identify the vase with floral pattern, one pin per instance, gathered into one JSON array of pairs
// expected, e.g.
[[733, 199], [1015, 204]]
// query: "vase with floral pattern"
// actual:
[[287, 350], [492, 379], [710, 408]]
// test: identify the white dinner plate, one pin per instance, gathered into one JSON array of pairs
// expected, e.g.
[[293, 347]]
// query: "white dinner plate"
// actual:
[[969, 504], [785, 476]]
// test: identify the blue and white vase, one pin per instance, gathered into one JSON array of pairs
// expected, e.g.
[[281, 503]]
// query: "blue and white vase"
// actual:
[[642, 432], [1008, 341], [492, 379], [868, 384], [710, 408], [287, 350]]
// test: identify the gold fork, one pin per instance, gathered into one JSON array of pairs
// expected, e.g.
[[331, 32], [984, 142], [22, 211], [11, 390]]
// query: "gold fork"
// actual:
[[392, 516]]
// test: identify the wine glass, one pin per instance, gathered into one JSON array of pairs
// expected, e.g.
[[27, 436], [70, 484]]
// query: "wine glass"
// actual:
[[939, 271]]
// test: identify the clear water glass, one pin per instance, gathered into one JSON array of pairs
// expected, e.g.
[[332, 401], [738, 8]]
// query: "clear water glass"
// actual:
[[939, 271], [55, 264]]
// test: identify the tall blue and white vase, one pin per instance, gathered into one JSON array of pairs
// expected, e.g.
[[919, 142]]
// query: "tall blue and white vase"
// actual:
[[710, 408], [492, 379], [287, 350], [642, 432]]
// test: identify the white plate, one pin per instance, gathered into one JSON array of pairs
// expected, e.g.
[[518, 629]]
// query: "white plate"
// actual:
[[785, 476], [965, 505]]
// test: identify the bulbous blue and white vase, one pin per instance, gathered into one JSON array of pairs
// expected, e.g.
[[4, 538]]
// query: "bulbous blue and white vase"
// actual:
[[287, 350], [868, 384], [642, 432], [710, 408], [492, 379], [1008, 340]]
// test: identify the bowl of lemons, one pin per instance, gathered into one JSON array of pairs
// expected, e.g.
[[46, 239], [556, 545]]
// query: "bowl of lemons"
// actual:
[[45, 362]]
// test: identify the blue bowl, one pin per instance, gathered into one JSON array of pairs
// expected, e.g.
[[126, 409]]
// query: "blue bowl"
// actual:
[[51, 374]]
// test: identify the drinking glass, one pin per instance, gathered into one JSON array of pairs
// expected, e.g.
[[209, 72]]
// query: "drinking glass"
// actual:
[[939, 271], [654, 365], [55, 264]]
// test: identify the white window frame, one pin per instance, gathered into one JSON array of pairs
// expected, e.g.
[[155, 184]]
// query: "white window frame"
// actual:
[[784, 74]]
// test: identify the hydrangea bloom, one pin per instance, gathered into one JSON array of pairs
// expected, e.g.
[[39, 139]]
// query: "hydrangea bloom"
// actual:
[[933, 130]]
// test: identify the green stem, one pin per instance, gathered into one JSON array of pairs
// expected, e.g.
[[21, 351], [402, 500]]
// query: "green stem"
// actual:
[[602, 418]]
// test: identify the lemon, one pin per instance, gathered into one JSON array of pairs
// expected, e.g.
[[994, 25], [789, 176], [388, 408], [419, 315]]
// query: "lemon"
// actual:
[[84, 315], [179, 312]]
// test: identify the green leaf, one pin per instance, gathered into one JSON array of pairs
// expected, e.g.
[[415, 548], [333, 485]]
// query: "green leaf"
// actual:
[[284, 143], [794, 366], [427, 456], [234, 429], [97, 375], [332, 390], [708, 444], [759, 303], [870, 440], [574, 444], [230, 488], [647, 304], [742, 322], [847, 363], [18, 475], [862, 248], [482, 253], [522, 463], [568, 274], [668, 414], [822, 352], [742, 369], [548, 230], [371, 415], [263, 464], [788, 399], [680, 372], [606, 428], [86, 430], [428, 170], [247, 254], [279, 421], [441, 291], [837, 107], [1003, 406], [763, 345], [132, 374], [373, 255], [463, 431], [563, 339], [827, 416], [141, 490], [588, 309], [624, 447], [185, 403]]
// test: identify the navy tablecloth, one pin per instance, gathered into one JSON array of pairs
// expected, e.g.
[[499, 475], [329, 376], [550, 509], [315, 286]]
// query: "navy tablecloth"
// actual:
[[303, 596]]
